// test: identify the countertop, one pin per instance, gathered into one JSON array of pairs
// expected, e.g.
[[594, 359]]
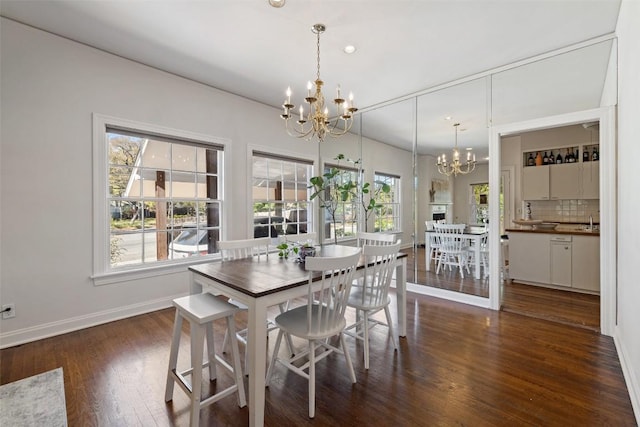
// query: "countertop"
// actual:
[[559, 230]]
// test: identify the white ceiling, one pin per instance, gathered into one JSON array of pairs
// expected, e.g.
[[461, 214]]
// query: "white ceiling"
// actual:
[[254, 50]]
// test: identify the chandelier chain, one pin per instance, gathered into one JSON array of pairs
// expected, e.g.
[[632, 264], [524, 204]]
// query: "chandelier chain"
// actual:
[[318, 55]]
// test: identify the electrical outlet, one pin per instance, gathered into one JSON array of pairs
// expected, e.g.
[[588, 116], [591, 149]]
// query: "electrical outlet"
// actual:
[[8, 311]]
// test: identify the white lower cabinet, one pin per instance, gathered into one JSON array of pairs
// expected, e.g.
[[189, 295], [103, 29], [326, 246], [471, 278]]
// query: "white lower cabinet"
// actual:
[[561, 263], [554, 259], [529, 257], [585, 270]]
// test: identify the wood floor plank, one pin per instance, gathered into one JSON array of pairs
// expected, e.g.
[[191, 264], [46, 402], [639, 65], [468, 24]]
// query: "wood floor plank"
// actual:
[[458, 365]]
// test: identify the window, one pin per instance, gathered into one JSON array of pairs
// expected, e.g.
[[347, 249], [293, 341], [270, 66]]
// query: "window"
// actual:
[[387, 217], [479, 203], [280, 195], [158, 196]]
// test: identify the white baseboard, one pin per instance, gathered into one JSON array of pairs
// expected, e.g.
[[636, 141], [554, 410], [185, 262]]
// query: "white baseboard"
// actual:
[[448, 295], [22, 336], [630, 376]]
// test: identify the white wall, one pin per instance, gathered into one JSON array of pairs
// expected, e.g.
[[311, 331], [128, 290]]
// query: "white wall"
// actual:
[[50, 88], [627, 334]]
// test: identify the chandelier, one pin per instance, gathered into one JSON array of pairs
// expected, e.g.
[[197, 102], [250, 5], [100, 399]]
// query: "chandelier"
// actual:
[[315, 121], [455, 168]]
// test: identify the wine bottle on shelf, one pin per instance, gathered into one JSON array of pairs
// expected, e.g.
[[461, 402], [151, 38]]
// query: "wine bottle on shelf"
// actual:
[[538, 159], [585, 155], [552, 159], [576, 158], [530, 160], [559, 158], [566, 156], [572, 158], [545, 159], [595, 156]]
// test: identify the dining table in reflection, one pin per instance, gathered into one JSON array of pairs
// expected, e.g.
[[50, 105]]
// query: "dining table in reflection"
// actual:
[[265, 281], [474, 235]]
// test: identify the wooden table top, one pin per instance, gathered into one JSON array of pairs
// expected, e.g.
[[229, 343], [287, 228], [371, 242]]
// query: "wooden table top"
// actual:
[[260, 276]]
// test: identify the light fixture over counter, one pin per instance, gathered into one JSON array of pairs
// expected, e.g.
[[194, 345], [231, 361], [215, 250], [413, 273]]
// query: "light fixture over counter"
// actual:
[[455, 167], [315, 121]]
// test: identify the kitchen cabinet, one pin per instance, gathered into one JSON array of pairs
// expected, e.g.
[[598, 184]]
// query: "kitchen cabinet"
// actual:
[[561, 262], [577, 179], [585, 271], [553, 182], [590, 174], [564, 181], [529, 257], [535, 183]]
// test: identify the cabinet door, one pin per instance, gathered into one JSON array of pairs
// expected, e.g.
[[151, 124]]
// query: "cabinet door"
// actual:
[[561, 263], [529, 257], [535, 183], [586, 263], [591, 180], [565, 181]]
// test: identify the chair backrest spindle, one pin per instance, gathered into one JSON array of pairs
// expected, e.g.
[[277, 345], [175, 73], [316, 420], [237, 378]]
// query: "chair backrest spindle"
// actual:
[[246, 248], [326, 307]]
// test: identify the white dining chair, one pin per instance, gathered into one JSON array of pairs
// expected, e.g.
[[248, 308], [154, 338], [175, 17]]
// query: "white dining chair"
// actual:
[[322, 317], [373, 295], [239, 249], [432, 247], [453, 248], [311, 238], [375, 239]]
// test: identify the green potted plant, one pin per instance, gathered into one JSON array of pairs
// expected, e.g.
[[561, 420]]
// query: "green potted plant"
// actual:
[[335, 186], [370, 199], [332, 188]]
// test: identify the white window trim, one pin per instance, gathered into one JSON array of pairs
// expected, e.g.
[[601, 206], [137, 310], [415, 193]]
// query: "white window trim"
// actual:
[[102, 273], [398, 202], [251, 148]]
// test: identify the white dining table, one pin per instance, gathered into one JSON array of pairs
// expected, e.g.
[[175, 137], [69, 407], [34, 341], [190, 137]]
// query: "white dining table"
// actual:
[[473, 235], [263, 282]]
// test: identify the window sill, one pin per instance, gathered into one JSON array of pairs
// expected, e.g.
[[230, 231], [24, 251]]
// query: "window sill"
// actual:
[[144, 273]]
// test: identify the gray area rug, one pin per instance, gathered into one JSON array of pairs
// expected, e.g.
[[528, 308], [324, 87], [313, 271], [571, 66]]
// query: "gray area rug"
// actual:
[[34, 401]]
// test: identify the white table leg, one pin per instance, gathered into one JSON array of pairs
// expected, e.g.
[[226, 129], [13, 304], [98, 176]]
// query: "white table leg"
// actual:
[[427, 250], [257, 348], [401, 296], [476, 247]]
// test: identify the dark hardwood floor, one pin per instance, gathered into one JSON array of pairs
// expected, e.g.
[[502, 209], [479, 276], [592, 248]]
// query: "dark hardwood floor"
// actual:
[[459, 365], [571, 308]]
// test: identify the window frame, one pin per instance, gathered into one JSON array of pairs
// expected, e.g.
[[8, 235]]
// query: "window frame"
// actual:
[[102, 272], [396, 202], [298, 160]]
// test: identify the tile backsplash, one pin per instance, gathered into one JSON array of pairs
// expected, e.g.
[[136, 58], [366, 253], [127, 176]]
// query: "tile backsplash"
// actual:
[[572, 210]]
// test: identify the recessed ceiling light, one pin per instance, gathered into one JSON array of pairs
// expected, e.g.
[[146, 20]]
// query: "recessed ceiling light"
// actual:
[[448, 118], [277, 3], [469, 148], [349, 48]]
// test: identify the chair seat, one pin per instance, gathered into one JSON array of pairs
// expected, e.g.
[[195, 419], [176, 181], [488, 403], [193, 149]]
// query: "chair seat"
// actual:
[[356, 300], [294, 322], [204, 308]]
